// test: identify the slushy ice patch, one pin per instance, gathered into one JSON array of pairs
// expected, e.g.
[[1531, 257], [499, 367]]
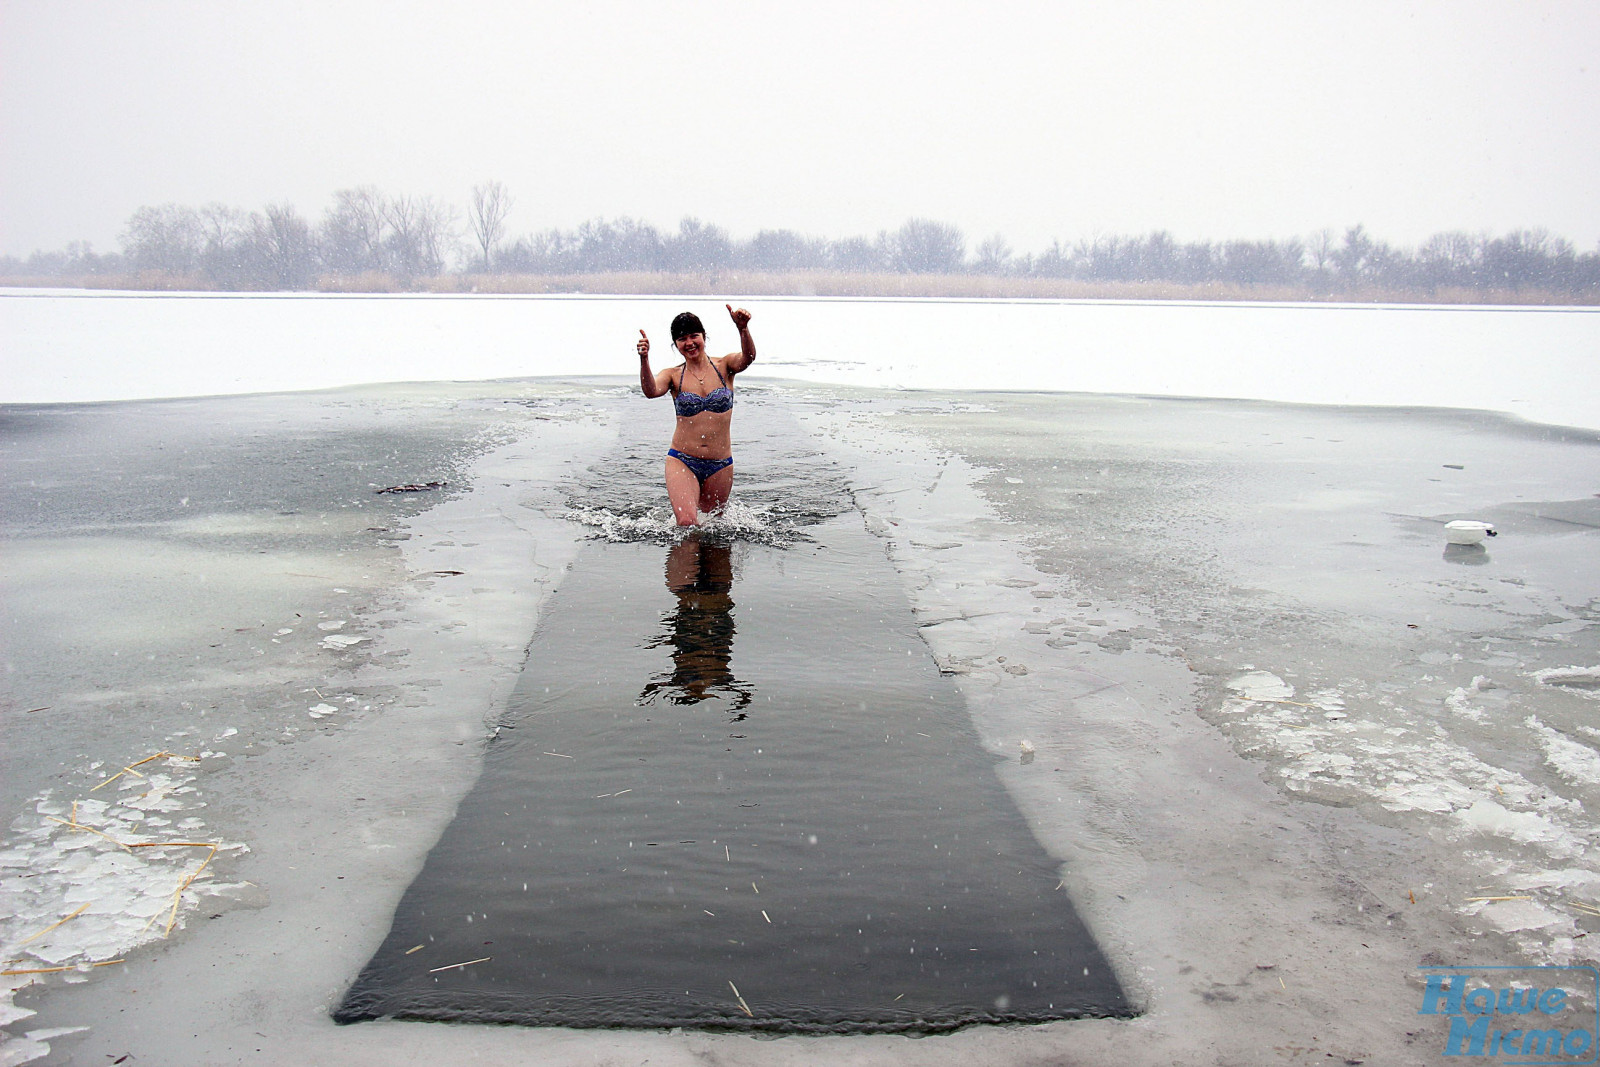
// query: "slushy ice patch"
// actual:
[[749, 804]]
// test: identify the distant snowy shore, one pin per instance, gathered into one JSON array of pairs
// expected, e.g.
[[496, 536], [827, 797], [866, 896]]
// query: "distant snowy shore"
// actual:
[[868, 285]]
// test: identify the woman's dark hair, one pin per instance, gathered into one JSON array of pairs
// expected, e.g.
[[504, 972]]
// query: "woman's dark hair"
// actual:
[[685, 324]]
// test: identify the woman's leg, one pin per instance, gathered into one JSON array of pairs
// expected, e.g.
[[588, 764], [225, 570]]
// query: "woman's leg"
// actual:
[[683, 489], [715, 490]]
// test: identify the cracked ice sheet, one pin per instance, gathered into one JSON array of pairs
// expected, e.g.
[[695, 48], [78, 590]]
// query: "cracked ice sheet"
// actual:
[[339, 801], [1236, 909], [84, 883], [1294, 555], [1351, 675]]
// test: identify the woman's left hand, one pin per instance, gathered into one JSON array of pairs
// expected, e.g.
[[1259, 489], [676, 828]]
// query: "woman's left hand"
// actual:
[[741, 318]]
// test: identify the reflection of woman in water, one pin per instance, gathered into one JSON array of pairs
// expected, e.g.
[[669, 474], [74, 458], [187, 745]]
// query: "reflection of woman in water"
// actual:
[[700, 629], [700, 461]]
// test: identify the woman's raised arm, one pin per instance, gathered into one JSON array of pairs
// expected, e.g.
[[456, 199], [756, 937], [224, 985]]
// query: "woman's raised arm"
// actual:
[[648, 382], [738, 361]]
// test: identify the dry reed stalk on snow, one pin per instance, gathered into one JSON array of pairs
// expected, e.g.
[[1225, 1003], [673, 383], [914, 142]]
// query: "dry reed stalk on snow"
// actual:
[[75, 825], [130, 768], [58, 970], [177, 896], [53, 925]]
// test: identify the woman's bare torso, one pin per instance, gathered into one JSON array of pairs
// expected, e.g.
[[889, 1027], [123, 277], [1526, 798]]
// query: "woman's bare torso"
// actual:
[[708, 435]]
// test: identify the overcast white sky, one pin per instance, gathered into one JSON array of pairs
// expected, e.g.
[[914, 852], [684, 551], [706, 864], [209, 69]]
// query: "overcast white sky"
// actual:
[[1035, 120]]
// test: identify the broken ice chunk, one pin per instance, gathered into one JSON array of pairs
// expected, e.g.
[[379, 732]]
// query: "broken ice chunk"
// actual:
[[1261, 685], [341, 641]]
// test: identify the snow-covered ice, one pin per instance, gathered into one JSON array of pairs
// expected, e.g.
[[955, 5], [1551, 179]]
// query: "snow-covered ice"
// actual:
[[1280, 739]]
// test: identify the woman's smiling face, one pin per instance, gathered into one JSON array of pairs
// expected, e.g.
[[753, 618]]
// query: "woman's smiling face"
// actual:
[[691, 344]]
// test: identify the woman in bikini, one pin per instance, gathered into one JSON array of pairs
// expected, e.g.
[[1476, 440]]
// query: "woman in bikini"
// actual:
[[700, 461]]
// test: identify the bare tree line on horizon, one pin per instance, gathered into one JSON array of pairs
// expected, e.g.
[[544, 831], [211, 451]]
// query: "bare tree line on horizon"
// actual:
[[405, 239]]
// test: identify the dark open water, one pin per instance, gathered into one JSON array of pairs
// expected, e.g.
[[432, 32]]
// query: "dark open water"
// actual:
[[732, 766]]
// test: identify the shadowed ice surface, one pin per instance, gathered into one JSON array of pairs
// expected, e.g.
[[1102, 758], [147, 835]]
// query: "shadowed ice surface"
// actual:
[[795, 810]]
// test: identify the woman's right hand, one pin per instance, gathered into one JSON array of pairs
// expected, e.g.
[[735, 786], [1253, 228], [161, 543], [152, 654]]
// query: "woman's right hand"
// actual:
[[643, 346]]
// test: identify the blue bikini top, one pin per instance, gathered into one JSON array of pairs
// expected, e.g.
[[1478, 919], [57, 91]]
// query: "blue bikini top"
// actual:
[[691, 404]]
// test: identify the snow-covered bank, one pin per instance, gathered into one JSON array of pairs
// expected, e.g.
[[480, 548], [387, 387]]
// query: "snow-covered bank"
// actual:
[[331, 667], [1537, 363], [1202, 615], [1282, 735]]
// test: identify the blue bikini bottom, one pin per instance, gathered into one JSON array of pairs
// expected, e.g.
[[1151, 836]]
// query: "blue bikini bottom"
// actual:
[[700, 468]]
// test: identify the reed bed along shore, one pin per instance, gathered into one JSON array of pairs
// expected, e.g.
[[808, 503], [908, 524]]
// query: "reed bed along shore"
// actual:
[[884, 285]]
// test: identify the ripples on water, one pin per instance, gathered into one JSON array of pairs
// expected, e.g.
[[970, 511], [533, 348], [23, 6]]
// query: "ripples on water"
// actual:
[[782, 485], [764, 815], [788, 828], [737, 521]]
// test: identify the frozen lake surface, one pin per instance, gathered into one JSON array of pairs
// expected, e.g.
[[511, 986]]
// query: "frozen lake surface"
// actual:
[[1287, 744], [1537, 363]]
